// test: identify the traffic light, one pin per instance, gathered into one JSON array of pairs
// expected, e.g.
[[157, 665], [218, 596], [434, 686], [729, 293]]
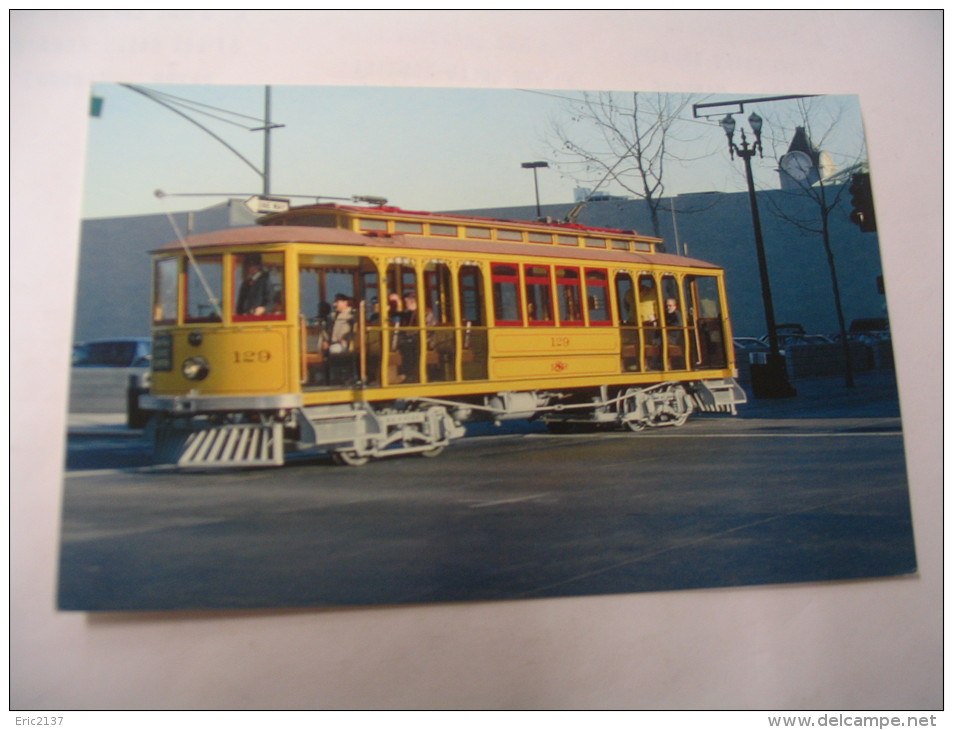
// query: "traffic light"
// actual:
[[862, 200]]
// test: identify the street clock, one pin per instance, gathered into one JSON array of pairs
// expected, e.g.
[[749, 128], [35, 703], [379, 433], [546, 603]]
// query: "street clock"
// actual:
[[797, 164]]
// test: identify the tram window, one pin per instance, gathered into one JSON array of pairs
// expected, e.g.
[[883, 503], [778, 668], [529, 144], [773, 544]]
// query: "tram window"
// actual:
[[471, 296], [506, 299], [259, 286], [408, 227], [504, 234], [563, 240], [595, 242], [203, 289], [708, 303], [372, 224], [539, 295], [478, 232], [439, 229], [438, 298], [540, 237], [166, 291], [648, 301], [401, 282], [569, 296], [597, 296], [625, 294], [620, 245], [370, 291], [674, 323]]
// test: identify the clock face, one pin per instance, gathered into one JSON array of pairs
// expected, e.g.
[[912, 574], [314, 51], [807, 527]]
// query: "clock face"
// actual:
[[797, 164]]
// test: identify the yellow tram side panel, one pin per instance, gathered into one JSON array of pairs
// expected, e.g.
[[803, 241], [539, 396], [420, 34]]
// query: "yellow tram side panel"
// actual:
[[241, 361], [521, 352]]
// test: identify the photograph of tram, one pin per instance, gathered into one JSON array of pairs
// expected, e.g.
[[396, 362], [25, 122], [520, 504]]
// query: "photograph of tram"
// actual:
[[581, 384], [374, 332]]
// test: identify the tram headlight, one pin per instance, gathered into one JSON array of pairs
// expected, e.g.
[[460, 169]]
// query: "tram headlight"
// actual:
[[195, 368]]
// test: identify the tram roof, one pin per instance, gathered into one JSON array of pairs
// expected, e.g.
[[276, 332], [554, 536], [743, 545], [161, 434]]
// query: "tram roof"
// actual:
[[284, 234], [391, 212]]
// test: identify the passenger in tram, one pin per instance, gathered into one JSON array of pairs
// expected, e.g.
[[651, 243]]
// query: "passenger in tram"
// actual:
[[409, 341], [393, 309], [676, 336], [255, 296], [374, 312], [342, 365], [673, 318], [342, 326]]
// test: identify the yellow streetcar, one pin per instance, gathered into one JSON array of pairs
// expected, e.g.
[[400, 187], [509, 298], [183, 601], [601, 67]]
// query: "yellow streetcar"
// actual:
[[368, 332]]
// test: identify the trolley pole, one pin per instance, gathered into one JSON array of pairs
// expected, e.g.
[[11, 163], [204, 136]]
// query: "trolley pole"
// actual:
[[775, 383]]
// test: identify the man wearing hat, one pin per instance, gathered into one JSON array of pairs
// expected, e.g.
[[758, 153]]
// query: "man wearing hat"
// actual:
[[255, 297], [342, 327]]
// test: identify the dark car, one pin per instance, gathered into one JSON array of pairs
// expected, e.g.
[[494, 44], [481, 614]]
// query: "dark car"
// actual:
[[749, 344], [108, 376], [128, 352]]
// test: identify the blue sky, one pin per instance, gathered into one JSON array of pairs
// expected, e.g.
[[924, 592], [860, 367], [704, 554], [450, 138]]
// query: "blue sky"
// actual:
[[421, 148]]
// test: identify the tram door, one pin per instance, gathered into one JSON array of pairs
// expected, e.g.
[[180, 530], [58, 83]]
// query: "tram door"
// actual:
[[336, 298]]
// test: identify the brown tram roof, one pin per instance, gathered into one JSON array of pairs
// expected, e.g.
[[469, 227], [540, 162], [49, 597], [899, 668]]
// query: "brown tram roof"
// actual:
[[385, 211], [262, 235]]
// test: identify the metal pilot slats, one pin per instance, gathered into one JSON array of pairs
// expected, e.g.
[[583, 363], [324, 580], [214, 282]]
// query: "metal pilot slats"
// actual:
[[243, 444], [718, 396]]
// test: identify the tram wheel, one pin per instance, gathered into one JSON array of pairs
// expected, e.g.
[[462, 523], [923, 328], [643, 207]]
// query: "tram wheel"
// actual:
[[349, 458], [634, 425], [433, 453]]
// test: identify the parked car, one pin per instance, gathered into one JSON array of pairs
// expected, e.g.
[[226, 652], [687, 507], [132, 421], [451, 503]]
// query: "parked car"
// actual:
[[786, 340], [748, 344], [129, 352], [108, 376]]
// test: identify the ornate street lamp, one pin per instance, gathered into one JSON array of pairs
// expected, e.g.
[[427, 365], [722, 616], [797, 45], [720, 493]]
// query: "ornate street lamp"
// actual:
[[534, 166], [775, 383]]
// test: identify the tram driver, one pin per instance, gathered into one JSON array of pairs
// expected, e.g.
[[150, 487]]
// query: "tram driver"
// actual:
[[256, 295]]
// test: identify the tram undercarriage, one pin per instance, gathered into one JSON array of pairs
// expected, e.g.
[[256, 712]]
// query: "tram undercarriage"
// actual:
[[355, 433]]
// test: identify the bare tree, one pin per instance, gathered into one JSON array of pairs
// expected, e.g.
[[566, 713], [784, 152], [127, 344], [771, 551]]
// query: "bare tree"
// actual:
[[625, 138], [818, 120]]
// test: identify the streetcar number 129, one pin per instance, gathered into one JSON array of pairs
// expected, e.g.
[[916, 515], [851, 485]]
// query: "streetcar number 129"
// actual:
[[252, 356]]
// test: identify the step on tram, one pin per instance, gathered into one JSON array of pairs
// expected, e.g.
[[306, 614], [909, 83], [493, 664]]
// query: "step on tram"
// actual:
[[367, 332]]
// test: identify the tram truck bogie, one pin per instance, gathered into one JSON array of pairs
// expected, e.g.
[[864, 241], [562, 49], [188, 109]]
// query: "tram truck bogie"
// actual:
[[375, 332]]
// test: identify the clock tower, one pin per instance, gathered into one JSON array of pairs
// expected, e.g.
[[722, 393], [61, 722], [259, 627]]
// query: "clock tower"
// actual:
[[800, 166]]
